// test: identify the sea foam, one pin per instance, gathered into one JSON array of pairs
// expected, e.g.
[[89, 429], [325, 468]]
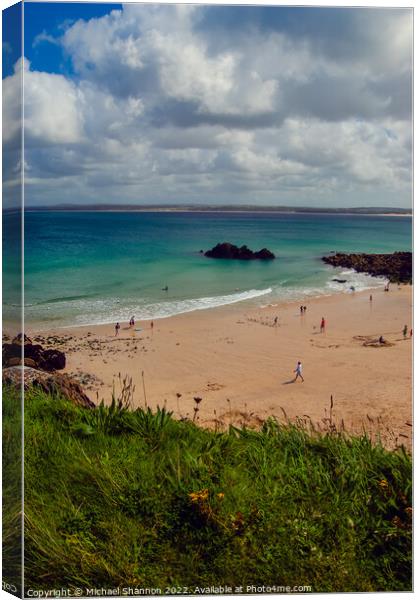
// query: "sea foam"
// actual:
[[103, 312], [358, 281]]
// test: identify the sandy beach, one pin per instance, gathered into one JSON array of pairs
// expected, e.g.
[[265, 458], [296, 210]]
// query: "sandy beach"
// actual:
[[241, 364]]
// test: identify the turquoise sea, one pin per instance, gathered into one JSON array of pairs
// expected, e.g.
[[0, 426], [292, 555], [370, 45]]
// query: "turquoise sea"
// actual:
[[100, 267]]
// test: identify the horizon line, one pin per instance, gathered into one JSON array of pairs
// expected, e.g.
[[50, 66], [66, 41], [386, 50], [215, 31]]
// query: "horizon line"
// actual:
[[214, 208]]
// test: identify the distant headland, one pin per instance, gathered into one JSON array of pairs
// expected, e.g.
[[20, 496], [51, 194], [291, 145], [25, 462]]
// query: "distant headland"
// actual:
[[356, 210]]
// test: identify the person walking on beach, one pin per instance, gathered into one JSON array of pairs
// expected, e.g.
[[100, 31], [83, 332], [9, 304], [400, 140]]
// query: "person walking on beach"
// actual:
[[301, 310], [299, 371], [276, 321], [370, 297], [322, 325], [405, 331], [117, 328], [304, 308], [132, 322], [151, 326]]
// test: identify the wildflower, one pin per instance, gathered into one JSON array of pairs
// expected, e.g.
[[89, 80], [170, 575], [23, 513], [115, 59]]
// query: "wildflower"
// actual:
[[220, 495], [198, 496], [383, 484]]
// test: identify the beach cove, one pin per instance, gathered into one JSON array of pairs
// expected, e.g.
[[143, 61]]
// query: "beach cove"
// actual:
[[214, 336], [242, 365]]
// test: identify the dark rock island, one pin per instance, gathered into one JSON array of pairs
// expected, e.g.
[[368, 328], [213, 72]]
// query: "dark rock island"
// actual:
[[397, 267], [226, 250]]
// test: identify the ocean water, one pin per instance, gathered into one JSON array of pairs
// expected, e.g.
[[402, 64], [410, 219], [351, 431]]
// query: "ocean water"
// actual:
[[98, 267]]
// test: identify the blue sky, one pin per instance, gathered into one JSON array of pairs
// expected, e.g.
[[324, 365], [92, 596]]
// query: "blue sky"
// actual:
[[12, 37], [214, 104], [53, 19]]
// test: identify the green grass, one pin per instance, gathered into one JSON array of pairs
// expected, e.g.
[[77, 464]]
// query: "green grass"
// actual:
[[12, 489], [116, 498]]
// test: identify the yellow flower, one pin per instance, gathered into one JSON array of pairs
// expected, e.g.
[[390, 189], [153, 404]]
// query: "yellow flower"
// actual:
[[198, 496], [383, 483], [220, 495]]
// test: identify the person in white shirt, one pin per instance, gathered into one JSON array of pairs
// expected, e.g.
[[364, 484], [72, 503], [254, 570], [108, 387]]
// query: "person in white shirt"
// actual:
[[299, 371]]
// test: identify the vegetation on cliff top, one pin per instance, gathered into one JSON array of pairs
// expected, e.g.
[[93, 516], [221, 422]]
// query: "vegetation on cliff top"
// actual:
[[116, 497]]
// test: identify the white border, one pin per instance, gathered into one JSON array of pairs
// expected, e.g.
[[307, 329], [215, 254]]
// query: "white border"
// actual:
[[319, 3]]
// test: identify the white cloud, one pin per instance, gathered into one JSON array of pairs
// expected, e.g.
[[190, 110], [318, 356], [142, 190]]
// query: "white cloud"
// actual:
[[52, 109], [12, 106], [45, 37], [166, 106]]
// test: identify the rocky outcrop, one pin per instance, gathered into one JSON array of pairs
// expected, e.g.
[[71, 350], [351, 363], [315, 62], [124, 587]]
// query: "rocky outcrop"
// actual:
[[32, 365], [230, 251], [32, 355], [59, 384], [396, 267]]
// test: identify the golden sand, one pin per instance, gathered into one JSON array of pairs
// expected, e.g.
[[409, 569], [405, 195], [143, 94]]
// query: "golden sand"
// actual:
[[241, 364]]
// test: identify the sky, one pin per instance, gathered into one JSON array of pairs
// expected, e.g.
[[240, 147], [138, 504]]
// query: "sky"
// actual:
[[170, 104]]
